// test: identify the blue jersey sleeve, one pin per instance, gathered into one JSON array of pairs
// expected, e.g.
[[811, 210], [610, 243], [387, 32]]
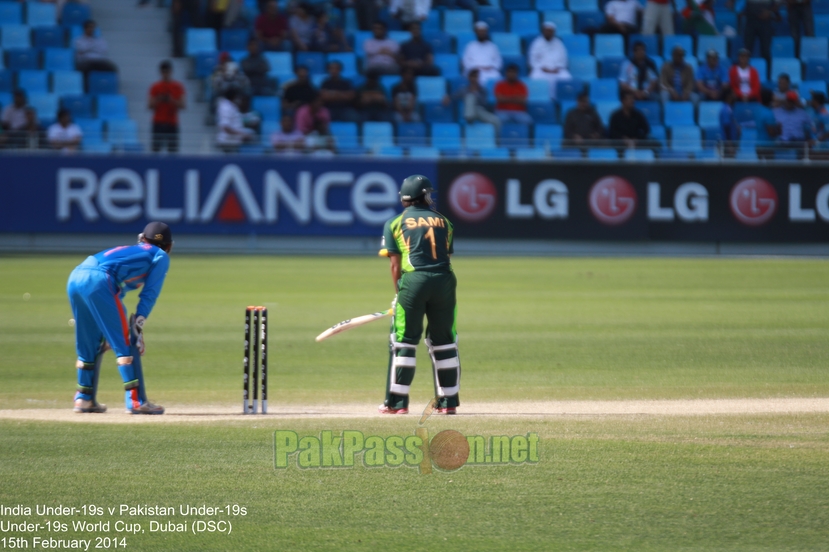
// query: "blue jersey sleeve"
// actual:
[[153, 284]]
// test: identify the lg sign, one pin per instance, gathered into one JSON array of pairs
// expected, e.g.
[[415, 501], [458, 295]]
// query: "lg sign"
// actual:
[[753, 201], [472, 197], [612, 200]]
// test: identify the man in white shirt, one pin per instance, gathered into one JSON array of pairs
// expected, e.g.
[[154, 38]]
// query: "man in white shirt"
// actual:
[[410, 11], [621, 17], [232, 131], [482, 54], [91, 52], [381, 52], [548, 58], [64, 135]]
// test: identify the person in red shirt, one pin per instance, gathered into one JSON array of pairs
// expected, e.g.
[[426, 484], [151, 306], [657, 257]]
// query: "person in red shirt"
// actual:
[[271, 27], [511, 98], [166, 100], [745, 80]]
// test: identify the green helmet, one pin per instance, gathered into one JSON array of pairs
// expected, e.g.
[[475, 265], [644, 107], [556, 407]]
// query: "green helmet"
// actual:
[[414, 187]]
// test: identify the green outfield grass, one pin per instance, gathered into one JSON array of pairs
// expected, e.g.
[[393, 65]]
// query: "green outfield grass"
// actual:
[[530, 329]]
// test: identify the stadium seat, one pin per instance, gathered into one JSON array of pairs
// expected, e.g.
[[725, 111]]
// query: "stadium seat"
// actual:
[[348, 60], [33, 81], [570, 153], [782, 47], [268, 107], [583, 5], [377, 135], [604, 90], [820, 6], [389, 151], [602, 154], [205, 63], [806, 87], [450, 65], [446, 137], [48, 37], [705, 43], [14, 36], [652, 112], [100, 82], [493, 17], [583, 67], [508, 43], [761, 66], [514, 135], [75, 14], [430, 89], [67, 83], [524, 22], [424, 152], [814, 48], [520, 61], [563, 21], [282, 65], [440, 42], [517, 5], [606, 108], [610, 67], [6, 81], [19, 59], [577, 45], [658, 133], [786, 65], [58, 59], [479, 136], [686, 138], [548, 136], [588, 20], [346, 137], [79, 105], [639, 155], [112, 106], [817, 69], [388, 82], [457, 21], [565, 106], [679, 113], [436, 112], [199, 40], [123, 134], [411, 134], [314, 61], [40, 15], [530, 154], [45, 105], [92, 129], [542, 112], [744, 111], [538, 90], [709, 114], [568, 90], [359, 38], [494, 153], [668, 43], [461, 40], [5, 98], [432, 22], [400, 36], [11, 13], [550, 5], [233, 39], [607, 45]]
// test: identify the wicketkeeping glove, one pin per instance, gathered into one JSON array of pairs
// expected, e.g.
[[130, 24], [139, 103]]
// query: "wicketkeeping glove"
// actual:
[[138, 330]]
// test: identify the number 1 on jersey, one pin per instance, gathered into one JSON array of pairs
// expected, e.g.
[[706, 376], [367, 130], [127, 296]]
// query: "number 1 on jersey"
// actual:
[[430, 235]]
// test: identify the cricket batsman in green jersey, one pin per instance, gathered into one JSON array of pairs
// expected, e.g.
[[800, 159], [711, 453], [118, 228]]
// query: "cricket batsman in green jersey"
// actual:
[[418, 242]]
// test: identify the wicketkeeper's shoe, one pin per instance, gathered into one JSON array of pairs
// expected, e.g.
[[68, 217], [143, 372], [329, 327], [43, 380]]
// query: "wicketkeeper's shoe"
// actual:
[[449, 410], [383, 409], [146, 408], [83, 406]]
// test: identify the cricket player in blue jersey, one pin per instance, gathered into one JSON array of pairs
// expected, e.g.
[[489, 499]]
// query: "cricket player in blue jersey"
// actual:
[[96, 288]]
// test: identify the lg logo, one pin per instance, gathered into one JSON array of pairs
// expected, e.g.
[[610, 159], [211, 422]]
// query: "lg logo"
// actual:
[[472, 197], [612, 200], [753, 201]]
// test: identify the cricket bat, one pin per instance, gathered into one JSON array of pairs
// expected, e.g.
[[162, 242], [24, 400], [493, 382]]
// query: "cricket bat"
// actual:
[[351, 323]]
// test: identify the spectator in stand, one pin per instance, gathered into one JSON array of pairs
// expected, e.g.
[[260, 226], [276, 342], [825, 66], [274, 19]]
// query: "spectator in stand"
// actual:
[[64, 134], [766, 124], [796, 126], [784, 86], [372, 101], [19, 122], [91, 51], [271, 28], [381, 52], [227, 76], [547, 57], [677, 78], [658, 13], [289, 139], [511, 98], [301, 26], [314, 121], [166, 99], [326, 37], [728, 124], [620, 18], [639, 74], [404, 98], [474, 102], [217, 13], [483, 54], [582, 123], [699, 17], [416, 54], [366, 12], [298, 92], [185, 14], [338, 95], [820, 119], [712, 78], [256, 69], [232, 131], [759, 15], [628, 124], [410, 11], [800, 15], [745, 80]]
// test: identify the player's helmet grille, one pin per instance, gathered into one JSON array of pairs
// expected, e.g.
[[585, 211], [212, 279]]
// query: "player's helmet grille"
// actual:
[[414, 187]]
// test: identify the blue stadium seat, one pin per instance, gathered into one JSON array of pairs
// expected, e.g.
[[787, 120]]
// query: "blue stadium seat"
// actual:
[[782, 47], [744, 111], [430, 89], [607, 45], [786, 65], [269, 107], [15, 36], [817, 69], [602, 154], [705, 43], [199, 40], [568, 90], [550, 5], [19, 59], [389, 151], [348, 59], [668, 43], [520, 61], [806, 87], [350, 18], [562, 19], [58, 59], [67, 83], [639, 155], [432, 22], [494, 153], [388, 82], [436, 112], [606, 108], [92, 129], [530, 154], [346, 137], [314, 61], [515, 135], [6, 81], [658, 133], [524, 22], [40, 15], [517, 4], [450, 65], [652, 112], [709, 114], [761, 66], [725, 19], [542, 112], [508, 43], [440, 42], [377, 135], [411, 134], [493, 17], [822, 25], [33, 81], [205, 63], [48, 37], [359, 38], [610, 67], [820, 6], [100, 82], [233, 39], [814, 48], [457, 21], [577, 45], [424, 152], [74, 14], [588, 20], [45, 105], [583, 5], [123, 134], [282, 65], [79, 105], [11, 13], [679, 113], [686, 138], [604, 90], [651, 43], [461, 40], [569, 153], [583, 67], [479, 136], [548, 136], [112, 106], [538, 90], [400, 36], [446, 137]]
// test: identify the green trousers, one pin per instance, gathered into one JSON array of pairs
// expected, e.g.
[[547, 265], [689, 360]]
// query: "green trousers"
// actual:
[[429, 294]]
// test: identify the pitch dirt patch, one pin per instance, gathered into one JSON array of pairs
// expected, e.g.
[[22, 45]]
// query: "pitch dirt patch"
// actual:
[[529, 409]]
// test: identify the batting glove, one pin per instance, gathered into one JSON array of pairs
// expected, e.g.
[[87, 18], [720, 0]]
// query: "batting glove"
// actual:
[[394, 304]]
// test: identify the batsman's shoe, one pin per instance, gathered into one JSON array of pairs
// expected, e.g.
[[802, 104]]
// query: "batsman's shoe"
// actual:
[[83, 406], [146, 408], [450, 410], [383, 409]]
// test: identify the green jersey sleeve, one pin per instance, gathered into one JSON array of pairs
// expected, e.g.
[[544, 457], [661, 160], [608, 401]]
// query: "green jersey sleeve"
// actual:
[[389, 242]]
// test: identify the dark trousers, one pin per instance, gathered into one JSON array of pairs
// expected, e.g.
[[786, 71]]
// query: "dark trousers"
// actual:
[[165, 136], [96, 65], [800, 15], [761, 29]]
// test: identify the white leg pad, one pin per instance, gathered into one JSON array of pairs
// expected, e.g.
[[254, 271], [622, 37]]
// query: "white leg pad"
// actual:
[[452, 363], [400, 362]]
